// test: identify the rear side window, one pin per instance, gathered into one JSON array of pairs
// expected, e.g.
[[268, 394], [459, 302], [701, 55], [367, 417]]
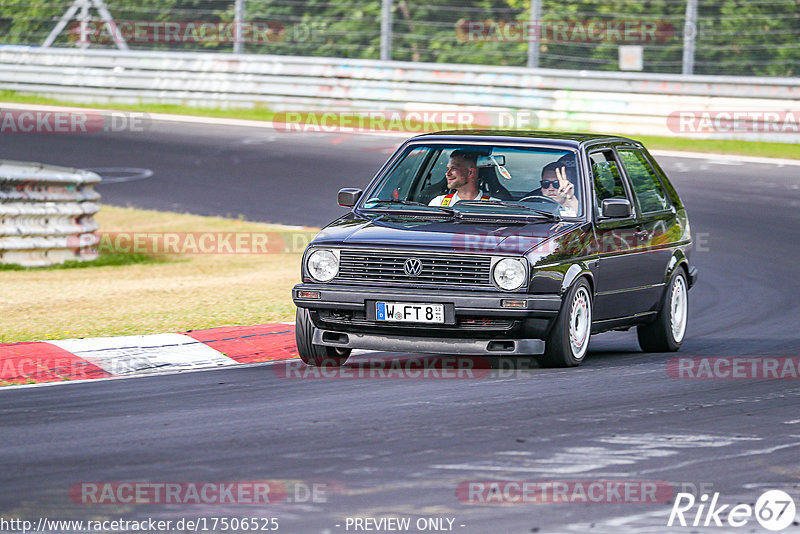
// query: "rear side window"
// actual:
[[607, 178], [646, 185]]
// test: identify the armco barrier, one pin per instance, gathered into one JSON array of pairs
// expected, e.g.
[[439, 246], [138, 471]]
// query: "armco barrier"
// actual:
[[46, 214], [630, 103]]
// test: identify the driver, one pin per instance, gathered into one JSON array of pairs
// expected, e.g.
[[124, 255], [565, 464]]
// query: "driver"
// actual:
[[559, 185], [462, 175]]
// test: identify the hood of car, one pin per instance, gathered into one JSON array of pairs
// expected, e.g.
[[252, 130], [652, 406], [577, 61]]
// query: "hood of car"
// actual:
[[384, 231]]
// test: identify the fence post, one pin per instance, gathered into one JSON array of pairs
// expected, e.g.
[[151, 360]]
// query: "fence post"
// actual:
[[689, 36], [536, 27], [238, 18], [386, 30]]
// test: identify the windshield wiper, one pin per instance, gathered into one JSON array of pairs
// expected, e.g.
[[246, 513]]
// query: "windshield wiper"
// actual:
[[547, 214], [449, 211]]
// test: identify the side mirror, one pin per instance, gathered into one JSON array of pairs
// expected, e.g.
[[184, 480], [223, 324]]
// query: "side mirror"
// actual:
[[348, 197], [618, 208]]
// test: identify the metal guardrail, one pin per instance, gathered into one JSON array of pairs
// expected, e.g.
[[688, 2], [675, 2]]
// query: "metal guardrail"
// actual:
[[630, 103], [46, 214]]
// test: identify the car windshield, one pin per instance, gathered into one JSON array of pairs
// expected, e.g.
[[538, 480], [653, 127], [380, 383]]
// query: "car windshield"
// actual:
[[481, 180]]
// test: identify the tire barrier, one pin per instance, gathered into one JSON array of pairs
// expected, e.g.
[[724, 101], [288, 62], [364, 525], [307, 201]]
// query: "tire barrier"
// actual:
[[46, 214]]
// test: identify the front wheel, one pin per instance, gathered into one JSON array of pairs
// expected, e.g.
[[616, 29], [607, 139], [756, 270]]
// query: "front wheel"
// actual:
[[666, 333], [568, 342], [315, 355]]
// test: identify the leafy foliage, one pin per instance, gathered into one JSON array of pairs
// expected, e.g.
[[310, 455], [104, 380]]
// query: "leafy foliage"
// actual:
[[734, 37]]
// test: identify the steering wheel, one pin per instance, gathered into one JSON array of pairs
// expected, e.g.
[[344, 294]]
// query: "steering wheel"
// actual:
[[540, 197]]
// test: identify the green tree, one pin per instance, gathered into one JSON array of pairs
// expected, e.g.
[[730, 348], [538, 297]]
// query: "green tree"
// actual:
[[735, 37]]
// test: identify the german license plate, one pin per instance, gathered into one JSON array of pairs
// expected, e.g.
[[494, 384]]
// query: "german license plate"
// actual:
[[409, 312]]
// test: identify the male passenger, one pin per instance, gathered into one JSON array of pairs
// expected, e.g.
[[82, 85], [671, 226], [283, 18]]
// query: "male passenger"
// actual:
[[462, 175]]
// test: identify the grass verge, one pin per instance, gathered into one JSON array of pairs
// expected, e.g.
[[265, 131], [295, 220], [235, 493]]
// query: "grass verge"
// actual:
[[128, 291], [263, 113], [106, 258], [258, 113], [722, 146]]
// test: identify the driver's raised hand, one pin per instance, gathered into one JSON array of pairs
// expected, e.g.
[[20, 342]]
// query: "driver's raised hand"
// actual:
[[566, 190]]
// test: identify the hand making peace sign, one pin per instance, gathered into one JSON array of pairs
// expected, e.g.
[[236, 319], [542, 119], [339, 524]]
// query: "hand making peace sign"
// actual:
[[566, 190]]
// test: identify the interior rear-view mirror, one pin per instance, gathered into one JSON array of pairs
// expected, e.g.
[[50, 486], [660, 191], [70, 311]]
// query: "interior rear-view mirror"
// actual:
[[490, 161]]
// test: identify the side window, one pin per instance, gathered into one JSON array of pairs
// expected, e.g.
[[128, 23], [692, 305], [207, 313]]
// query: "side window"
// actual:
[[646, 186], [606, 177], [434, 182], [403, 174], [439, 168]]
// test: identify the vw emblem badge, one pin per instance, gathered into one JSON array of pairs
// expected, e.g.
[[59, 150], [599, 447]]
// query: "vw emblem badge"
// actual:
[[412, 267]]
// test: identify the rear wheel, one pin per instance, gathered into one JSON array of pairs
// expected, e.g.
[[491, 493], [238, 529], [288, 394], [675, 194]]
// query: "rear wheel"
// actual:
[[315, 355], [568, 341], [666, 333]]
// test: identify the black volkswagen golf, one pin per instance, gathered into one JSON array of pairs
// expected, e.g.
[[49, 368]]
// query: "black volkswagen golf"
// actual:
[[500, 243]]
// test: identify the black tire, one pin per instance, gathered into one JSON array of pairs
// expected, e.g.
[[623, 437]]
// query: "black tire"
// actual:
[[315, 355], [667, 332], [560, 351]]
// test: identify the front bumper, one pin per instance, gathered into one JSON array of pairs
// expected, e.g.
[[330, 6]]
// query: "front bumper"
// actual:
[[341, 297], [514, 347], [475, 322]]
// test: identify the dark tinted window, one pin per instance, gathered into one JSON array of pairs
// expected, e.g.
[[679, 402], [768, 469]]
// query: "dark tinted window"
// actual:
[[646, 186], [606, 176]]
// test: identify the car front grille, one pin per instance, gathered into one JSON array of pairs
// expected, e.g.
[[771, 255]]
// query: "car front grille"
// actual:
[[437, 269]]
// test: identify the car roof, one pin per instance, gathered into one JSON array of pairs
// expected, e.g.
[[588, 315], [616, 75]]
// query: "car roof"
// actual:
[[572, 139]]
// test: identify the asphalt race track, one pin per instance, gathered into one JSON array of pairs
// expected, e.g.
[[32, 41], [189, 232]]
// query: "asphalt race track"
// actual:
[[400, 448], [262, 174]]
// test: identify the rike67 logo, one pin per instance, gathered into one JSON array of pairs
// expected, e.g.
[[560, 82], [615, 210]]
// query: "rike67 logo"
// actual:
[[774, 510]]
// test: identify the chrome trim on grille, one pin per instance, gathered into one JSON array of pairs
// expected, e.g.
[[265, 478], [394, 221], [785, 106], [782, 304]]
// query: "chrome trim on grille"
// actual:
[[437, 269]]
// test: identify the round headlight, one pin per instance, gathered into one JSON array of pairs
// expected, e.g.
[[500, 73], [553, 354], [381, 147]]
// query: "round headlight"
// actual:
[[509, 273], [322, 265]]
